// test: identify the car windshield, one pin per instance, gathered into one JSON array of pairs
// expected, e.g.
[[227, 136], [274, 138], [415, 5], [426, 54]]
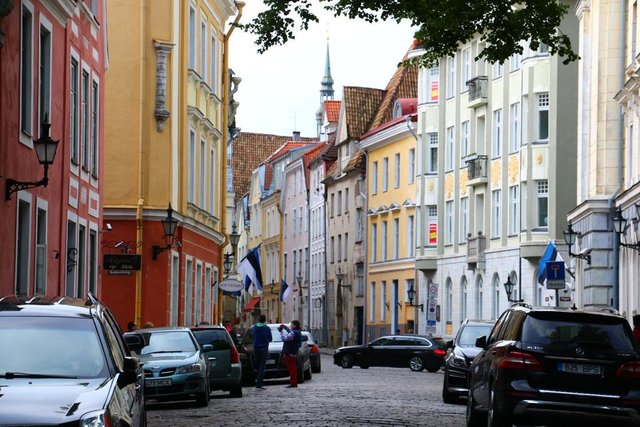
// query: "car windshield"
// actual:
[[51, 346], [470, 333], [216, 337], [604, 333], [275, 335], [167, 342]]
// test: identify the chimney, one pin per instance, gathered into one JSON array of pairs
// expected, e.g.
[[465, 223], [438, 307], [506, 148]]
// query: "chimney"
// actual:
[[296, 135]]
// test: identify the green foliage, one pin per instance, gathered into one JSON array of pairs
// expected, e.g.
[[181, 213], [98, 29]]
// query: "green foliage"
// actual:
[[442, 24]]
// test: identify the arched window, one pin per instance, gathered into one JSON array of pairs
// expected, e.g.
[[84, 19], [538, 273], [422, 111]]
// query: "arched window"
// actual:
[[449, 308], [463, 298], [496, 296], [479, 297]]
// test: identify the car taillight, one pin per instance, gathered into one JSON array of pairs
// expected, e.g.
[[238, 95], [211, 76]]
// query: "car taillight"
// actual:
[[439, 352], [314, 349], [629, 370], [518, 360], [235, 357]]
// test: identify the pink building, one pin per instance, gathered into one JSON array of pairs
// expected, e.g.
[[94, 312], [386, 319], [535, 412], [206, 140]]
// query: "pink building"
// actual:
[[52, 63]]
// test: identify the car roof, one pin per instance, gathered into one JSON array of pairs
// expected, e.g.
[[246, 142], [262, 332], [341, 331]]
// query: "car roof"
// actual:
[[478, 322], [48, 306], [605, 311], [165, 329], [206, 327]]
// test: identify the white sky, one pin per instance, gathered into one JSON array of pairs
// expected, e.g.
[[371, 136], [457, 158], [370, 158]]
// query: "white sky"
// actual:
[[280, 89]]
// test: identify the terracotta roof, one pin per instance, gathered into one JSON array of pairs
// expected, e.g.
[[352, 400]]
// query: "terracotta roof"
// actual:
[[287, 147], [332, 109], [361, 104], [403, 84], [311, 155], [357, 161], [249, 150]]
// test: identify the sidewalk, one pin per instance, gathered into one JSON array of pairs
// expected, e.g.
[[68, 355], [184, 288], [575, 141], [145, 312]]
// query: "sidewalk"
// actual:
[[327, 350]]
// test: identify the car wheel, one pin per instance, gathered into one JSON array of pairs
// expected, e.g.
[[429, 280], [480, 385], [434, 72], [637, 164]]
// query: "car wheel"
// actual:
[[448, 397], [202, 399], [307, 373], [416, 364], [494, 418], [346, 361], [236, 391], [474, 417], [317, 368]]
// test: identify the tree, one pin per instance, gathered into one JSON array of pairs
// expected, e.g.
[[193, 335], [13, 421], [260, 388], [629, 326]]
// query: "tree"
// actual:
[[442, 24]]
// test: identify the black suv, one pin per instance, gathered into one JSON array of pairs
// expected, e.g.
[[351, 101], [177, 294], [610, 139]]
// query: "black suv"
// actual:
[[461, 352], [64, 362], [555, 366]]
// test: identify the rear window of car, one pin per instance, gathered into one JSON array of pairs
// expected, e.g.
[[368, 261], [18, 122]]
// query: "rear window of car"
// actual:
[[437, 341], [168, 342], [218, 338], [604, 332]]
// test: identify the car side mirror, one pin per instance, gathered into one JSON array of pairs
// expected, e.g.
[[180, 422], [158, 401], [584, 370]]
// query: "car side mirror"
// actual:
[[481, 342], [134, 341], [129, 373], [207, 347], [305, 338], [449, 344]]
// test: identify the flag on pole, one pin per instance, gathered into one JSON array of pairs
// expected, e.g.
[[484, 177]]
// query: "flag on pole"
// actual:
[[249, 268], [550, 254], [285, 290]]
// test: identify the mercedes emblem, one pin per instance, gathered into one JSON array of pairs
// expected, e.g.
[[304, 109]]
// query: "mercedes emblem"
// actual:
[[579, 351]]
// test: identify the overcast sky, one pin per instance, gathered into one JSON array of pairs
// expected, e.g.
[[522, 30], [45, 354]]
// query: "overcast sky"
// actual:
[[280, 89]]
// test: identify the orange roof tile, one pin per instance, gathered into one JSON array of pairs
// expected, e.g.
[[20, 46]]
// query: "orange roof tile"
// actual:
[[332, 109], [361, 104]]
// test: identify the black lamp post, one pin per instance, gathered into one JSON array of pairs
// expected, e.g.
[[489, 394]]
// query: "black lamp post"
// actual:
[[340, 277], [234, 238], [620, 226], [46, 151], [508, 288], [227, 263], [411, 294], [570, 237], [169, 225], [272, 286]]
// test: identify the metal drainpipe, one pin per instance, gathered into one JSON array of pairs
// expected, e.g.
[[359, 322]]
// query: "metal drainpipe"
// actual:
[[364, 243], [308, 254], [325, 316], [416, 314]]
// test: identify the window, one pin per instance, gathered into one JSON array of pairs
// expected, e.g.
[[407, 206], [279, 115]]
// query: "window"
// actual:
[[432, 166], [542, 211], [448, 228], [84, 143], [385, 174], [464, 142], [463, 298], [514, 61], [497, 133], [73, 111], [212, 181], [192, 38], [26, 71], [374, 241], [374, 178], [412, 165], [497, 70], [95, 97], [339, 257], [23, 240], [332, 248], [383, 301], [333, 200], [523, 210], [198, 292], [451, 76], [213, 61], [396, 167], [339, 202], [432, 224], [466, 69], [346, 200], [543, 117], [410, 236], [188, 293], [207, 294], [479, 298], [449, 306], [41, 252], [346, 246], [203, 50], [192, 167], [450, 148], [514, 202], [496, 202], [524, 121], [372, 306], [396, 237], [93, 261], [70, 283], [514, 133], [384, 241], [203, 168], [496, 297], [464, 219], [44, 95], [81, 259]]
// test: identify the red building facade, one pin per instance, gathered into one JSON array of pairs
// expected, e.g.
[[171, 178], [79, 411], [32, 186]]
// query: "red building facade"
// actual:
[[52, 64]]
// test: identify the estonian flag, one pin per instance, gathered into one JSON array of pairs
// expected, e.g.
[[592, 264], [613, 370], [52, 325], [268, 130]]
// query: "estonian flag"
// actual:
[[550, 254], [285, 291], [249, 268]]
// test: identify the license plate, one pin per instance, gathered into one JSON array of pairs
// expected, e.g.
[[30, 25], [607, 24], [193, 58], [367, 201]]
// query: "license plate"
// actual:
[[165, 382], [579, 368], [271, 362]]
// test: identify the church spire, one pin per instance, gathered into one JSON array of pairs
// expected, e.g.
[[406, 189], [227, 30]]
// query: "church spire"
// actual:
[[326, 86]]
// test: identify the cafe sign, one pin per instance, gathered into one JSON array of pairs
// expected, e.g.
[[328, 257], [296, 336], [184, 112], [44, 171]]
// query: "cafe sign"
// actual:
[[121, 262]]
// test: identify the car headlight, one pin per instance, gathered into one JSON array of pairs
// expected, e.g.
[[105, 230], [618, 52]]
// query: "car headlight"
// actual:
[[189, 369], [95, 419], [457, 360]]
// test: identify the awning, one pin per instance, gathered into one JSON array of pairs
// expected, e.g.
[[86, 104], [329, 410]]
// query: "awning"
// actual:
[[251, 304]]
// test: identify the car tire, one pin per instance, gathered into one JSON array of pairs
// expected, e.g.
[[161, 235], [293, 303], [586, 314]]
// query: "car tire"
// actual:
[[202, 399], [416, 364], [475, 418], [300, 372], [494, 418], [316, 369], [236, 391], [448, 397], [346, 361], [307, 373]]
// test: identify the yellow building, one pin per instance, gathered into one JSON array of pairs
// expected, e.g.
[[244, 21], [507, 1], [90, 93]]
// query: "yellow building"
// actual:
[[165, 133], [391, 158]]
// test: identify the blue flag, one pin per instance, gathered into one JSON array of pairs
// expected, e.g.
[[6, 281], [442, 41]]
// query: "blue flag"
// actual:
[[550, 254], [285, 290]]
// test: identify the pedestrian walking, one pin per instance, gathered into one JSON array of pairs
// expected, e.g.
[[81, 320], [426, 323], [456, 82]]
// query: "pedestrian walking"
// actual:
[[636, 327], [261, 334], [292, 339]]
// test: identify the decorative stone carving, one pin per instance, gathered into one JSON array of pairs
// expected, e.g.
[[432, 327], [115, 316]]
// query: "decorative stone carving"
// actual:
[[162, 53]]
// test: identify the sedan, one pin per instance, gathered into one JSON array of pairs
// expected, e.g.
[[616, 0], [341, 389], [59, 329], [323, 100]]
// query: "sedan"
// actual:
[[314, 353], [175, 365], [417, 352], [225, 371]]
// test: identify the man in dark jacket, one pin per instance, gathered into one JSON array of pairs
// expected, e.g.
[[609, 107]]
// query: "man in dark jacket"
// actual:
[[261, 334], [292, 342]]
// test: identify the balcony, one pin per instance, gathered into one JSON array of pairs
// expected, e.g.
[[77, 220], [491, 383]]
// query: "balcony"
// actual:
[[478, 91], [476, 247], [476, 169]]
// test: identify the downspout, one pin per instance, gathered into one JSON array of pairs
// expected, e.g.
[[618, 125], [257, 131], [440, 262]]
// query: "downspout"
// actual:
[[225, 137], [325, 315], [416, 314], [308, 254], [364, 184]]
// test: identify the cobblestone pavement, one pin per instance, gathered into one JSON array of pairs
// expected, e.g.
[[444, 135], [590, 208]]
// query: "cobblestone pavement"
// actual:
[[334, 397]]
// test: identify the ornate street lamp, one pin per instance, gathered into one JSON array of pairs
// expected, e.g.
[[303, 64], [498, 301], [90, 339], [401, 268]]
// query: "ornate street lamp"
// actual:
[[570, 237], [411, 294], [169, 225], [620, 226], [508, 288]]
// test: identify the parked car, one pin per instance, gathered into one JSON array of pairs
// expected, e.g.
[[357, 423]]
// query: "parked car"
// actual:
[[225, 371], [314, 353], [65, 353], [175, 365], [462, 350], [276, 367], [557, 366], [417, 352]]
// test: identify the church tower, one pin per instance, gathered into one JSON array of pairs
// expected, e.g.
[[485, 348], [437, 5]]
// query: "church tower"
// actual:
[[326, 90]]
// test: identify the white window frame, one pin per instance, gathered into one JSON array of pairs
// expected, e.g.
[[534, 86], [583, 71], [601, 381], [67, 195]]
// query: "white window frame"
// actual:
[[198, 292], [411, 236], [74, 111], [396, 168], [396, 238], [372, 306], [451, 76], [466, 70], [448, 227], [464, 219], [433, 87], [374, 178], [479, 298], [374, 241], [44, 72], [497, 70], [497, 133], [203, 46], [191, 167], [464, 298], [464, 142], [85, 118], [203, 173], [188, 290], [192, 37], [385, 240], [496, 213], [40, 253], [213, 61], [412, 166], [207, 292], [22, 258], [432, 158], [450, 152], [542, 110], [515, 131], [385, 174], [542, 197], [94, 161], [174, 298], [383, 301], [514, 207], [26, 72]]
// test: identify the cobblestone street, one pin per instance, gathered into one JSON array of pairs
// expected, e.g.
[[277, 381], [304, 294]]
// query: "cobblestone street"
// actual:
[[336, 396]]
